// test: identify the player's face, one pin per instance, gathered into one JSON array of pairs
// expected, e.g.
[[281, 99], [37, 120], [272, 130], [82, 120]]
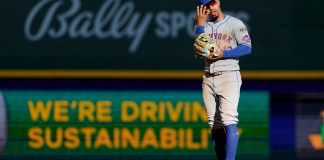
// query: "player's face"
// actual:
[[214, 7]]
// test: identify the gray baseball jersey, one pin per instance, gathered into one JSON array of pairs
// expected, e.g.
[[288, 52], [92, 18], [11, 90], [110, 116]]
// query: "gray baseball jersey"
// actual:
[[222, 79], [228, 33]]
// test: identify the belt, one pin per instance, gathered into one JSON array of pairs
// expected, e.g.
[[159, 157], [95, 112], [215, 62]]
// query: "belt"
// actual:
[[220, 72]]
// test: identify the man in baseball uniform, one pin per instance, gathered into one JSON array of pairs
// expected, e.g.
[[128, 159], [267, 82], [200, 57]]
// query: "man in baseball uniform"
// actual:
[[222, 80]]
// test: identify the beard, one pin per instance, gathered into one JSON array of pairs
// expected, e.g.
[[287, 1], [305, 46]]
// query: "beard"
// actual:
[[213, 15]]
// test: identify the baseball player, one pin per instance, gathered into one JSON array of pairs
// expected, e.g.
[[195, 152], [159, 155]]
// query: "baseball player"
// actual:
[[222, 80]]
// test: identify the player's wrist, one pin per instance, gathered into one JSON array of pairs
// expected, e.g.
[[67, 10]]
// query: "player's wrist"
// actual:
[[220, 54], [201, 23]]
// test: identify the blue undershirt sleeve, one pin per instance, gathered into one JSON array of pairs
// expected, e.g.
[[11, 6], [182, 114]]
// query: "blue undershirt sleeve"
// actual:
[[199, 30], [237, 52]]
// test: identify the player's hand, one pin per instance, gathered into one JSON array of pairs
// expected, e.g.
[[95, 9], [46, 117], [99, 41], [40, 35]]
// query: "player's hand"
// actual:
[[202, 14], [220, 54]]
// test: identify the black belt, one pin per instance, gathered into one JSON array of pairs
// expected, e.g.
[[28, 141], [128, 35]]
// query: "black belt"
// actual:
[[220, 72]]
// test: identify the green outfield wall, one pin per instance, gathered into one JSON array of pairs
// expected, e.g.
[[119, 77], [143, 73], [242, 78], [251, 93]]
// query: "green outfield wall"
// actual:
[[133, 34], [124, 123]]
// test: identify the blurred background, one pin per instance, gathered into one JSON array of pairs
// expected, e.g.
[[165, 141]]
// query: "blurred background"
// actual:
[[117, 79]]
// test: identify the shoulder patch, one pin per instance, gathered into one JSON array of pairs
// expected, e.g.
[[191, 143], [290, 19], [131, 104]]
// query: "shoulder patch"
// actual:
[[246, 38]]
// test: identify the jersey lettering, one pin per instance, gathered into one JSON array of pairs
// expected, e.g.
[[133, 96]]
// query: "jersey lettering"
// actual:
[[221, 36]]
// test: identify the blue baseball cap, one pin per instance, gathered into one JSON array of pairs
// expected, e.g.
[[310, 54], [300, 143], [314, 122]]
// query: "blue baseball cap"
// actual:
[[204, 2]]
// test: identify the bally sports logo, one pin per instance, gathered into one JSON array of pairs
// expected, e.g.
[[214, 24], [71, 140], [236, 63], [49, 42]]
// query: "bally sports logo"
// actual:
[[113, 19], [317, 140], [3, 124]]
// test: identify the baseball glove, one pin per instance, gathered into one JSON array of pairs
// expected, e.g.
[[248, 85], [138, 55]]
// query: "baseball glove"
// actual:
[[206, 47]]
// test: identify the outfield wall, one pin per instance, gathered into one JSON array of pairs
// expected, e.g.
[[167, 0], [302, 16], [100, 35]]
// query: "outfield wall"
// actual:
[[111, 124], [71, 54], [279, 119], [133, 34]]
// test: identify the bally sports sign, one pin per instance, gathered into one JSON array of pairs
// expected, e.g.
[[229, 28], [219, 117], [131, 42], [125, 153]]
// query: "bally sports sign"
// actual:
[[114, 19]]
